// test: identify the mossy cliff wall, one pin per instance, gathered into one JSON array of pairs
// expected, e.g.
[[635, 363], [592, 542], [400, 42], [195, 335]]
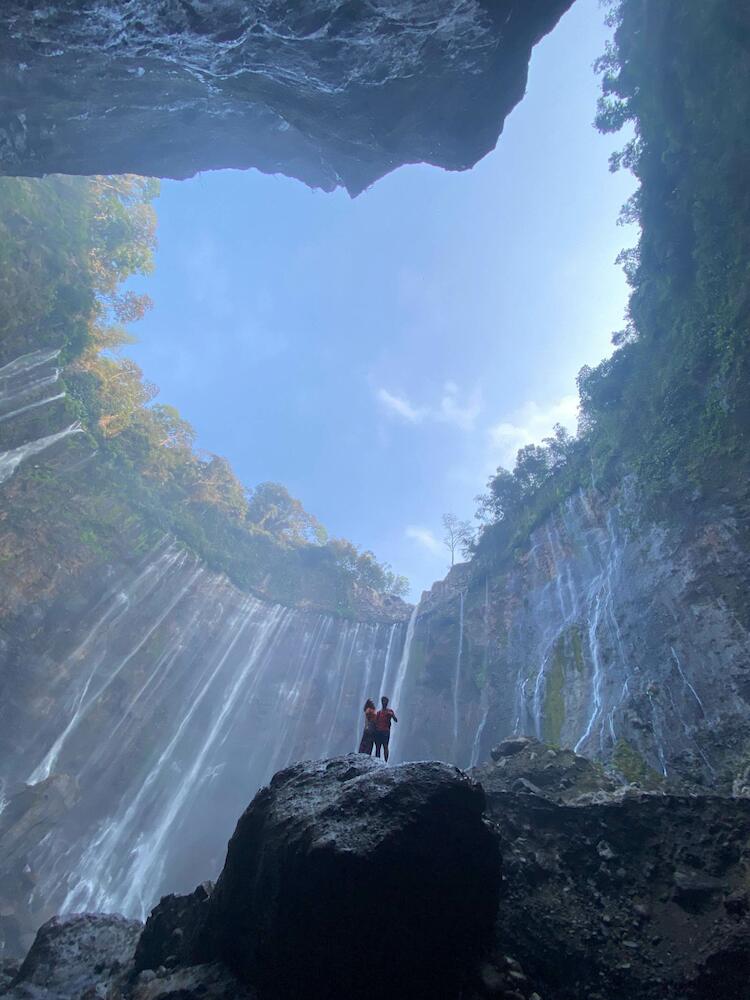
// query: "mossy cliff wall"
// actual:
[[609, 631]]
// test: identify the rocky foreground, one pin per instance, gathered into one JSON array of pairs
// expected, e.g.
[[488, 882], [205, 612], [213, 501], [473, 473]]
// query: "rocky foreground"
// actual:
[[345, 878]]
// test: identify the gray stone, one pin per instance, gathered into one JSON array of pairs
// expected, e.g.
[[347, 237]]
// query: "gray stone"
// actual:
[[73, 954], [510, 747], [334, 93], [371, 866]]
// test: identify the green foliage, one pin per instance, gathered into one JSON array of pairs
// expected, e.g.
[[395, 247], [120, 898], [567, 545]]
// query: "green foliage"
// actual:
[[671, 405], [46, 296], [633, 767], [66, 247]]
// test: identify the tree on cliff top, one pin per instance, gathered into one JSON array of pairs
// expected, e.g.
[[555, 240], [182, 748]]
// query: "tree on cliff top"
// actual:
[[458, 536]]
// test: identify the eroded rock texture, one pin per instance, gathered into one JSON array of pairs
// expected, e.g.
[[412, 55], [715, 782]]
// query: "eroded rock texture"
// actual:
[[71, 955], [619, 636], [334, 93], [614, 893], [343, 869], [346, 867]]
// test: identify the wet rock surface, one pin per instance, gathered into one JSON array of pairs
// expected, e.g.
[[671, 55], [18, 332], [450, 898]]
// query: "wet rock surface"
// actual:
[[334, 93], [342, 867], [623, 638], [617, 892], [346, 867], [172, 932], [212, 981], [524, 765], [75, 957]]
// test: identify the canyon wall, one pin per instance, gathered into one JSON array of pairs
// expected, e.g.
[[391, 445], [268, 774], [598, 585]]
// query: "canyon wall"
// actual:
[[165, 697], [144, 698], [334, 93], [613, 634]]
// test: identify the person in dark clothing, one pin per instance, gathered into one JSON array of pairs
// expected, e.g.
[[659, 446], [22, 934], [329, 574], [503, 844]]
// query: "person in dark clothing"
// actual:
[[383, 721], [368, 736]]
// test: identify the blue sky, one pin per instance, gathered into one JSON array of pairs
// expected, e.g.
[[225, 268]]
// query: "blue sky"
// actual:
[[380, 357]]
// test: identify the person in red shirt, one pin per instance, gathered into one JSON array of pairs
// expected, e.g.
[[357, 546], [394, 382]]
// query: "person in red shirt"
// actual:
[[383, 721], [368, 736]]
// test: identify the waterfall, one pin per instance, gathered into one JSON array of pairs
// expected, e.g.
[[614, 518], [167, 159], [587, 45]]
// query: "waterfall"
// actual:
[[477, 744], [177, 699], [31, 406], [476, 747], [142, 590], [687, 683], [25, 375], [10, 460], [574, 568], [29, 375], [404, 662], [457, 676]]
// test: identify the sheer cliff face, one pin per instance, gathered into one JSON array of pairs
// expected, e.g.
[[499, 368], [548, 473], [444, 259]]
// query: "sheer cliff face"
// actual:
[[611, 635], [334, 93], [162, 697]]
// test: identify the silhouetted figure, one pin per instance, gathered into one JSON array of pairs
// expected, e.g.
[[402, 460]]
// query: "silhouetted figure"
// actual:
[[368, 736], [383, 721]]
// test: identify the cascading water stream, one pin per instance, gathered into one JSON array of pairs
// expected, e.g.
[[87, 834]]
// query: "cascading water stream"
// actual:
[[10, 460], [143, 588], [403, 666], [22, 379], [485, 700], [178, 699], [457, 675]]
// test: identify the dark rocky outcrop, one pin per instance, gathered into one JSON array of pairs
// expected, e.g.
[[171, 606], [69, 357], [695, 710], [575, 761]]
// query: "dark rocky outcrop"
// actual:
[[212, 981], [172, 933], [338, 869], [524, 765], [75, 957], [334, 93], [616, 892], [344, 867]]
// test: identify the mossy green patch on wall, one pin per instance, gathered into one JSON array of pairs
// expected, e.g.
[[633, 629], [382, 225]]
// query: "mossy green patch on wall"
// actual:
[[633, 767]]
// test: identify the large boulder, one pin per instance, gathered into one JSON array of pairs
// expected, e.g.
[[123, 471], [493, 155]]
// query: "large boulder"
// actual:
[[348, 878], [75, 955], [335, 92]]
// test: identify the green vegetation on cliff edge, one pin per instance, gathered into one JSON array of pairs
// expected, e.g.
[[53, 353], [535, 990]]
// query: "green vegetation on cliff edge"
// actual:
[[67, 245], [670, 408]]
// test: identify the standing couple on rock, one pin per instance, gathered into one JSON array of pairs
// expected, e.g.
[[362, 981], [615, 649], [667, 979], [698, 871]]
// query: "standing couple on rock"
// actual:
[[377, 728]]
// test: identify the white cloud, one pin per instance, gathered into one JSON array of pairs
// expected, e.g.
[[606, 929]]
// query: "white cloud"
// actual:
[[450, 410], [529, 425], [400, 407], [425, 538]]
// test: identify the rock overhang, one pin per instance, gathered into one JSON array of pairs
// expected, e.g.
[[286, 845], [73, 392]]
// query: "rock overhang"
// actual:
[[336, 94]]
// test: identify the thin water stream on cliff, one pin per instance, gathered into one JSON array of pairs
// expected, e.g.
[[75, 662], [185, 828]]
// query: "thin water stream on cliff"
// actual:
[[178, 683], [28, 383]]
